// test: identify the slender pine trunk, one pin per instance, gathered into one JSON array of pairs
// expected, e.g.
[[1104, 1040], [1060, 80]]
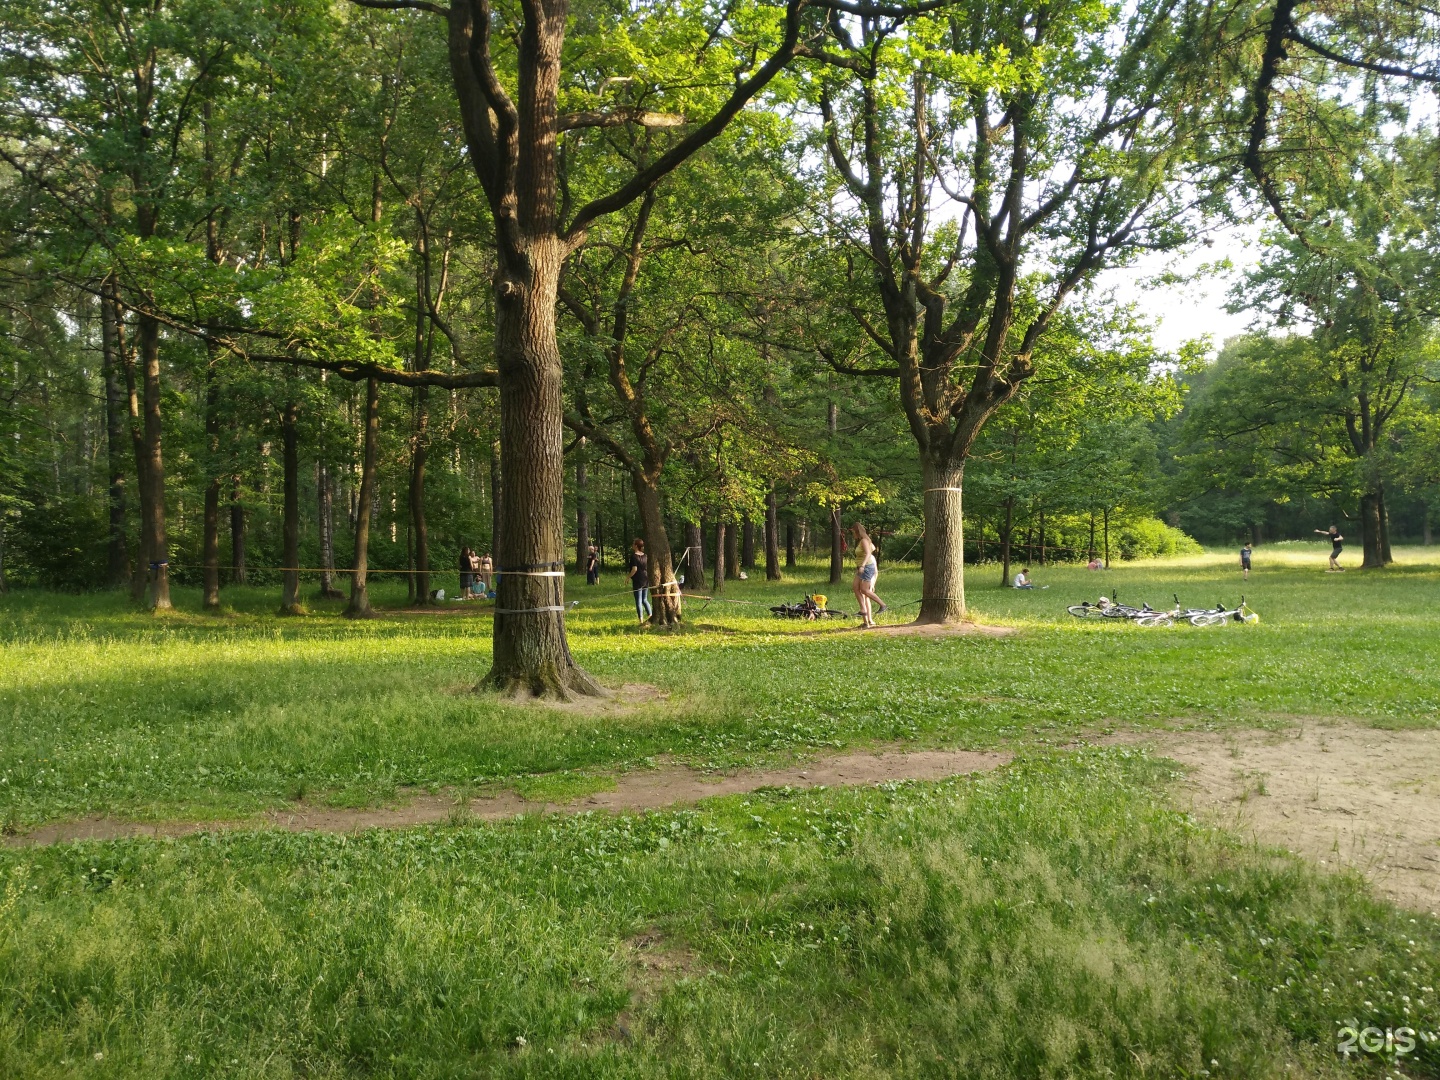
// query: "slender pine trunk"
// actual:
[[290, 513], [359, 605], [694, 556], [239, 528], [325, 510], [747, 544], [117, 549], [210, 517], [837, 548], [732, 551], [582, 510], [420, 527], [153, 481], [1006, 532], [790, 545]]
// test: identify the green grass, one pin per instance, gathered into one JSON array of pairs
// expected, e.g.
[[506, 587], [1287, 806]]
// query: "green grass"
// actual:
[[1059, 918], [104, 710]]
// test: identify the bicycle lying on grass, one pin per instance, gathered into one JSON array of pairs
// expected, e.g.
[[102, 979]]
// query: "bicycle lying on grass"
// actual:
[[1145, 615]]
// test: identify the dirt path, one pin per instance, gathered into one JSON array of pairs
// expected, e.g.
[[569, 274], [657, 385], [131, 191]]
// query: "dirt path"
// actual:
[[640, 789], [1340, 794]]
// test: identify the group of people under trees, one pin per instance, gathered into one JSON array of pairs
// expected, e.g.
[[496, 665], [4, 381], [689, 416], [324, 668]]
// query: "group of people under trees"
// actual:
[[477, 574]]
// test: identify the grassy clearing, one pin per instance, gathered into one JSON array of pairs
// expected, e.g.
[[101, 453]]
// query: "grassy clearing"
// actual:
[[1058, 918], [1054, 920], [104, 710]]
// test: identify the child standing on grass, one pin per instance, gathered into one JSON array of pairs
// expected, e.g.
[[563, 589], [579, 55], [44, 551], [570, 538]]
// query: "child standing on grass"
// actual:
[[1335, 548], [1245, 560]]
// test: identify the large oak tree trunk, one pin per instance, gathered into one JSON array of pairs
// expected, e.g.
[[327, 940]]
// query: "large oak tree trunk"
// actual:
[[943, 553], [419, 455], [719, 583], [694, 557], [531, 654], [290, 519], [664, 593], [772, 537], [112, 344], [152, 525], [1371, 531], [359, 605]]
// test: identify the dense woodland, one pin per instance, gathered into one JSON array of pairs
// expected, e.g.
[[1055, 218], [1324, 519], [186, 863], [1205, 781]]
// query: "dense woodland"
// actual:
[[295, 291]]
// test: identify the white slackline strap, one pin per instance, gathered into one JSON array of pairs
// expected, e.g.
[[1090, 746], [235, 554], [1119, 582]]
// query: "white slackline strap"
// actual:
[[528, 610], [958, 491], [531, 573]]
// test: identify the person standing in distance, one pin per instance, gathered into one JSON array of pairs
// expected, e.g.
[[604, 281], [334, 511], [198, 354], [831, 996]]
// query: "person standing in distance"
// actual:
[[1245, 560], [592, 567], [1336, 546]]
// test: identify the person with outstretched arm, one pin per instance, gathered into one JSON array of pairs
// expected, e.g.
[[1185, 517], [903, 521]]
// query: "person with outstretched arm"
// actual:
[[1336, 546]]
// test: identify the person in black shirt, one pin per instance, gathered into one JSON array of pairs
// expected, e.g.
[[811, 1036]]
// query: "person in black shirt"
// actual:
[[592, 567], [1335, 548], [637, 569]]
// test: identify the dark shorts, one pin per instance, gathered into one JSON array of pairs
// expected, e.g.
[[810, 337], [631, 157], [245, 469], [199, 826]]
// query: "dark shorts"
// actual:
[[1245, 564], [1335, 551]]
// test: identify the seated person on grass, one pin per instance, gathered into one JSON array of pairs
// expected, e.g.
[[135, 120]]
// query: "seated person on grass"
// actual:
[[1022, 579]]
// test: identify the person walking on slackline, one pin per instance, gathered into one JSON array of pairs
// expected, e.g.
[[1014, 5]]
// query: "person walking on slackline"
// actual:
[[1336, 547], [867, 571], [637, 569]]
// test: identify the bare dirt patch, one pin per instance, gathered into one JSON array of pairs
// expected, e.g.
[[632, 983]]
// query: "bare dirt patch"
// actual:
[[637, 789], [1341, 794]]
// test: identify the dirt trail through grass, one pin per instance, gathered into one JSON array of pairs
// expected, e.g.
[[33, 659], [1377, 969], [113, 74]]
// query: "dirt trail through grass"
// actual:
[[1340, 794], [639, 789]]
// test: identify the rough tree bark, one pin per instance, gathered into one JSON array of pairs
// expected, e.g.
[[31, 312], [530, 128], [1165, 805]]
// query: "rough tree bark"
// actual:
[[772, 536], [837, 547], [694, 557], [718, 585], [732, 551], [359, 605], [747, 544], [512, 144], [1007, 532]]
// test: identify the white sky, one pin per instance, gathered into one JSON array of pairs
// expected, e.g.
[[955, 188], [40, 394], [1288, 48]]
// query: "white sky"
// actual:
[[1195, 307]]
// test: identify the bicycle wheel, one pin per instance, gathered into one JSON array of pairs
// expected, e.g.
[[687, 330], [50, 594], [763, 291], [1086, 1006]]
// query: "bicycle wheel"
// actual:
[[1209, 618], [1155, 620], [1083, 611]]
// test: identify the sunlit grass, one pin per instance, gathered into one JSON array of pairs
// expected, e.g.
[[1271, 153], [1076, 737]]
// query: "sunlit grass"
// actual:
[[107, 710]]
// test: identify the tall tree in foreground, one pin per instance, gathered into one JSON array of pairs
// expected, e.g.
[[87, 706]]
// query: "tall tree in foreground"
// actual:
[[514, 141], [1057, 134]]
